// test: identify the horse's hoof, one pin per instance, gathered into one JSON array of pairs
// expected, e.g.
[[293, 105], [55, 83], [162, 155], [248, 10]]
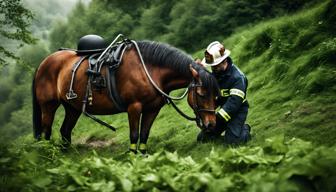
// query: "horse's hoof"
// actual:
[[145, 155], [132, 152], [143, 152], [65, 146]]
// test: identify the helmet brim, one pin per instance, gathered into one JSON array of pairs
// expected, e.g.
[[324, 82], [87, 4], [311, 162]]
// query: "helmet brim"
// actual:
[[218, 60]]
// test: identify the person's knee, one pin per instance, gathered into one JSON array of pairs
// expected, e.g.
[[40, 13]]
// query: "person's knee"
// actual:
[[232, 139]]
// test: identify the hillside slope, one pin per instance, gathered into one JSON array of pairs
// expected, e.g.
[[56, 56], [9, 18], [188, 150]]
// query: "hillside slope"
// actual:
[[290, 64]]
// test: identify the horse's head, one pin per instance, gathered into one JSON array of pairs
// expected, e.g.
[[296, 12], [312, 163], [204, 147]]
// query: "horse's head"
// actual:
[[202, 96]]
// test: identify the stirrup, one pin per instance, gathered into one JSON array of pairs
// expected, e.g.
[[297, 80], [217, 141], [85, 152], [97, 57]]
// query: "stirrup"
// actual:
[[71, 95]]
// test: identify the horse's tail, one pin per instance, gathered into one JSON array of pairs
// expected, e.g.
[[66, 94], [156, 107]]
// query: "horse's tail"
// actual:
[[37, 114]]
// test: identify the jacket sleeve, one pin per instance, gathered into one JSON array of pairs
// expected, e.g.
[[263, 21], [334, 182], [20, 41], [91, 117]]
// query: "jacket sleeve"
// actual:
[[234, 101]]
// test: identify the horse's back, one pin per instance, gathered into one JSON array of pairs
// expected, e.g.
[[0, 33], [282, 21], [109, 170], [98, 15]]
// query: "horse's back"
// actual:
[[48, 73], [56, 61]]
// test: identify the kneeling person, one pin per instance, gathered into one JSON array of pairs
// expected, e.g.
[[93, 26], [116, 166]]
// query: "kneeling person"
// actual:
[[232, 104]]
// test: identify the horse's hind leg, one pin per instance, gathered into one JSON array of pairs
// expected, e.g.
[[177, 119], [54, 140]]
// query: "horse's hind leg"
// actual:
[[48, 110], [70, 120]]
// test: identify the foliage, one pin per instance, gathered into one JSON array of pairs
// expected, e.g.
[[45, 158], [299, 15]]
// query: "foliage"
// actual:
[[188, 24], [46, 13], [294, 165], [14, 21], [291, 71], [15, 90], [289, 62]]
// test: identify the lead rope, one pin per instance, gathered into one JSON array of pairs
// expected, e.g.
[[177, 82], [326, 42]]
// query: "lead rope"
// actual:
[[181, 112], [168, 97], [152, 81]]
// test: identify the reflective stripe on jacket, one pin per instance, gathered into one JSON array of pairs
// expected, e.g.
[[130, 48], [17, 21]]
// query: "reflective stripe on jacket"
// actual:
[[233, 84]]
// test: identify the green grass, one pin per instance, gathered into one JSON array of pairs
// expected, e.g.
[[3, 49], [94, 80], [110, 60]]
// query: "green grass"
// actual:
[[290, 64], [292, 70]]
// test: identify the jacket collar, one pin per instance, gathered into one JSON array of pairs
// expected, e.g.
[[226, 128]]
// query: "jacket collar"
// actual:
[[228, 70]]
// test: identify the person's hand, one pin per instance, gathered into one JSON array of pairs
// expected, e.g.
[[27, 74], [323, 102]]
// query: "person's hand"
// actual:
[[199, 62]]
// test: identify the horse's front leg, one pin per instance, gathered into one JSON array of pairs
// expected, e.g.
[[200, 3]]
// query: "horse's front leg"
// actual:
[[134, 113], [147, 120]]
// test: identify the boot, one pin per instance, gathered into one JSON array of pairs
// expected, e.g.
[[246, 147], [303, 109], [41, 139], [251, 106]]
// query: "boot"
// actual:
[[246, 135]]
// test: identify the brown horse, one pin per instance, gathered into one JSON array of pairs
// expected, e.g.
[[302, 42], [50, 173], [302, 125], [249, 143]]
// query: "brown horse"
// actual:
[[169, 68]]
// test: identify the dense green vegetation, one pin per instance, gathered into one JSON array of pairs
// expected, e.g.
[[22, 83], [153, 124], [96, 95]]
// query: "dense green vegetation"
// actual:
[[14, 20], [15, 77], [290, 64], [276, 166], [187, 24]]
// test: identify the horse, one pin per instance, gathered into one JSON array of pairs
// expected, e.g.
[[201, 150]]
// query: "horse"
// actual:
[[169, 67]]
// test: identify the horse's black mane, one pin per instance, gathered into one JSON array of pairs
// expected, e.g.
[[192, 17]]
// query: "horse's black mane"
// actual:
[[164, 55]]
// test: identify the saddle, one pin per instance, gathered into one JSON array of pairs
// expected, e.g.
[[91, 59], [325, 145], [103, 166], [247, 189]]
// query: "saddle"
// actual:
[[90, 44], [92, 47]]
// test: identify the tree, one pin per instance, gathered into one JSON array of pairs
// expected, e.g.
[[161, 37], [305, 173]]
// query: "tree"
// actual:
[[14, 21]]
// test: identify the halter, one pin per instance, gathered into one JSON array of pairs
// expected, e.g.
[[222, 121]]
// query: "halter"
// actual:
[[195, 106], [192, 87]]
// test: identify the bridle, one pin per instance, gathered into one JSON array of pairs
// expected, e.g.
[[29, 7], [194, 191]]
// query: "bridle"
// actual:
[[197, 110], [170, 99]]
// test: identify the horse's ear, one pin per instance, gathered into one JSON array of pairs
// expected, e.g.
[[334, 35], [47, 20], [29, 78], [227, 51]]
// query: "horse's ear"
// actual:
[[193, 72]]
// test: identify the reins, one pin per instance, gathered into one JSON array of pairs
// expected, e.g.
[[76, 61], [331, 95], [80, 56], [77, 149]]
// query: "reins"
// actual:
[[167, 97], [152, 81], [171, 98]]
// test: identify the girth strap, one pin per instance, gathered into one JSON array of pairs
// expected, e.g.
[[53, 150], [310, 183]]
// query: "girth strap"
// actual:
[[113, 62], [112, 90]]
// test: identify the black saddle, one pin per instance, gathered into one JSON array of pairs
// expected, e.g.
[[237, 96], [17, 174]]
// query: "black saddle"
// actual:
[[90, 44], [92, 47]]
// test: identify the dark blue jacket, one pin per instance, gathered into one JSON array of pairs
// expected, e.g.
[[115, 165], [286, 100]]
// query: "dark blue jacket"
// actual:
[[233, 85]]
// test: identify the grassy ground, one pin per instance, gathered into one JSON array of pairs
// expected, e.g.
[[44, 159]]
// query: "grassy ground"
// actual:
[[290, 64]]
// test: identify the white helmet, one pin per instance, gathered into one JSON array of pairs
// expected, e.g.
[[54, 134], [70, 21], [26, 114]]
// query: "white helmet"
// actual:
[[215, 54]]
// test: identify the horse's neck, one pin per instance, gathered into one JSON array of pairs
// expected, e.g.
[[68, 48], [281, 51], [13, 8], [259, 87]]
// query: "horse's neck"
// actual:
[[171, 80]]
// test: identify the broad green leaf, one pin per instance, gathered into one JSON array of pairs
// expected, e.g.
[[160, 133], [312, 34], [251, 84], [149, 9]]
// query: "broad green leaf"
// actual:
[[151, 177], [42, 181], [54, 171], [126, 184], [5, 159]]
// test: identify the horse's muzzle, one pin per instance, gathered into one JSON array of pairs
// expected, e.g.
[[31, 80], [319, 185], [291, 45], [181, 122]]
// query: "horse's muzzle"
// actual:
[[210, 125], [206, 126]]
